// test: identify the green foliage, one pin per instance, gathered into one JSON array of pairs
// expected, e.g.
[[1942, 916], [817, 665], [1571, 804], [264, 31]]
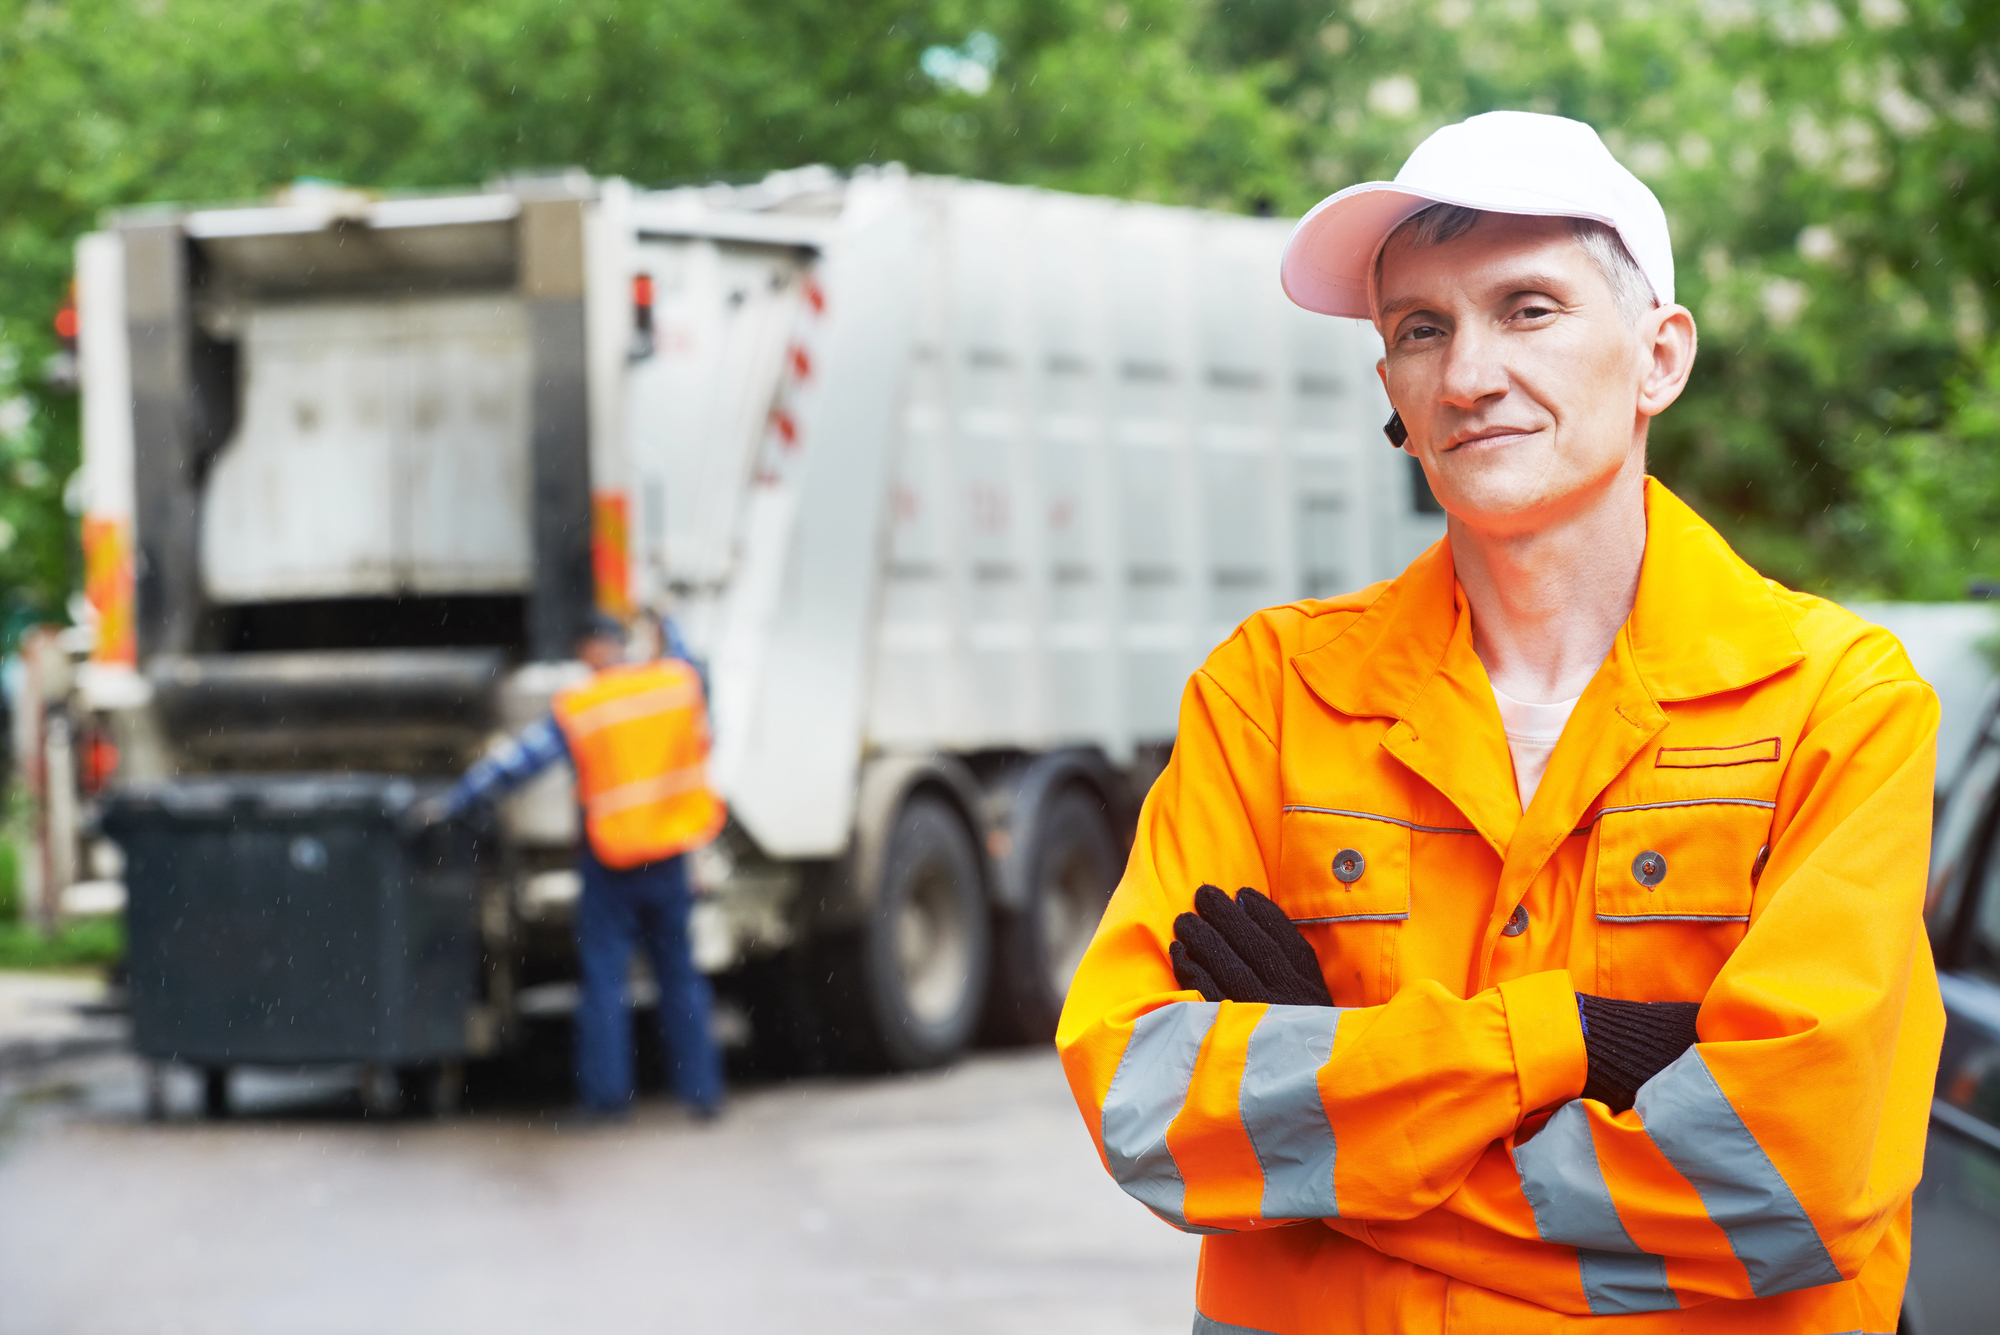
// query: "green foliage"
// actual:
[[83, 944], [38, 452], [1931, 479], [1829, 172], [1830, 169], [10, 880]]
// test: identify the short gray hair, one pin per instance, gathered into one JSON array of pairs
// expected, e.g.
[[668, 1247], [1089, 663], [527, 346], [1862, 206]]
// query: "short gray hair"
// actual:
[[1631, 294]]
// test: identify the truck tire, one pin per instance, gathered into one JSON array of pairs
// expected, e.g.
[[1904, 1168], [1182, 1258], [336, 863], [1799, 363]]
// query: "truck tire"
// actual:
[[1073, 866], [905, 988]]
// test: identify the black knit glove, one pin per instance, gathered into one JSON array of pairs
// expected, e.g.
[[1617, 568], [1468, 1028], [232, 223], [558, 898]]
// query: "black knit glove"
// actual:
[[1630, 1042], [1245, 949]]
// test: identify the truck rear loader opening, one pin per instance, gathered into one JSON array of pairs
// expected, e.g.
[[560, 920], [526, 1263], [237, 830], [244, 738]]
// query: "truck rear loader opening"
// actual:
[[948, 486]]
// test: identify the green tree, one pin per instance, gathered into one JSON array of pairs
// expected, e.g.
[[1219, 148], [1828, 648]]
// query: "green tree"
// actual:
[[110, 103], [1829, 170]]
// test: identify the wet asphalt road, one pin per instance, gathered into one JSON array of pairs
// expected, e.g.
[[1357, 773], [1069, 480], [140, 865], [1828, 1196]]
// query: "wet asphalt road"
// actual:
[[967, 1200]]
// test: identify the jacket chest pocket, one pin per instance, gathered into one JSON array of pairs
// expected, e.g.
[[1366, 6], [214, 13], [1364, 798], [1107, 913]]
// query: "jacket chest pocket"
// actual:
[[1692, 861], [1341, 866]]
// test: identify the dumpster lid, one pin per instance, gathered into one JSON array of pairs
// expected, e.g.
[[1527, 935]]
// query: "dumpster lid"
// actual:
[[270, 795]]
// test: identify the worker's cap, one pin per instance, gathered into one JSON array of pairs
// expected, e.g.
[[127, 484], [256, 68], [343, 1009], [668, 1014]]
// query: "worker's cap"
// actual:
[[603, 626], [1501, 162]]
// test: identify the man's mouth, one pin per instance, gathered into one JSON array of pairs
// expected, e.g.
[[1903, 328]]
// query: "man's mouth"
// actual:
[[1487, 435]]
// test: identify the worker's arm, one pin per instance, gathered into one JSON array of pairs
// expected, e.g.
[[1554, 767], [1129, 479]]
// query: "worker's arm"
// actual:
[[1227, 1115], [508, 766], [1772, 1156], [1244, 948], [1769, 1158], [675, 645]]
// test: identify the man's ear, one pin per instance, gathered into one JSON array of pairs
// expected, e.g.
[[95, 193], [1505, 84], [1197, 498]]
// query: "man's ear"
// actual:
[[1667, 342], [1382, 371]]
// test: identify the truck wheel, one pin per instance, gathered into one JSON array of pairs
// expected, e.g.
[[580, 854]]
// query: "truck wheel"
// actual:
[[906, 988], [1073, 867]]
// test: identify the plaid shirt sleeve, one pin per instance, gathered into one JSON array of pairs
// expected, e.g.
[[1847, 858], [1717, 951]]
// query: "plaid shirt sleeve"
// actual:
[[520, 759]]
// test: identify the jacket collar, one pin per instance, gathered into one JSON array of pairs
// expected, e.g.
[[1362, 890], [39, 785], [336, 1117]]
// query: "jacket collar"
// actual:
[[1703, 623]]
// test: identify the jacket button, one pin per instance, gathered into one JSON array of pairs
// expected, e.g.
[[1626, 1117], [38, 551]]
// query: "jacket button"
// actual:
[[1757, 867], [1649, 869], [1518, 923], [1348, 866]]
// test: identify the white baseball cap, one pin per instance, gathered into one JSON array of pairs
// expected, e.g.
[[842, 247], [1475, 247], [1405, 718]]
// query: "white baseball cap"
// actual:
[[1502, 162]]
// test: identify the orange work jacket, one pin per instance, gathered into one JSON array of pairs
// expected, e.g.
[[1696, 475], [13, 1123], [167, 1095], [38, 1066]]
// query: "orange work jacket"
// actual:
[[638, 738], [1420, 1158]]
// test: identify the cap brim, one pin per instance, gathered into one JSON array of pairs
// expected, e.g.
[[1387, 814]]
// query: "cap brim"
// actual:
[[1329, 258], [1329, 262]]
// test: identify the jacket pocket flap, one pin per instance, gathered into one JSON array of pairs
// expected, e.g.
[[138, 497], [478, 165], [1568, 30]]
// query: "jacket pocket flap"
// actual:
[[1343, 866], [1687, 860]]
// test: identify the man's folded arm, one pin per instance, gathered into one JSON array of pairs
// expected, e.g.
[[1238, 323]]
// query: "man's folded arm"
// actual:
[[1229, 1115], [1773, 1155]]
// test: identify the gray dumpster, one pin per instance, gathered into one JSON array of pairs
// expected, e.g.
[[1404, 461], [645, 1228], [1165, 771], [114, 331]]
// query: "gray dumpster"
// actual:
[[291, 920]]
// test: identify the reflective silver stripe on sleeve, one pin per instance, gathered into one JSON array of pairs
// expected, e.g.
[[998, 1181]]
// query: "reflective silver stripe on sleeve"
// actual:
[[1619, 1283], [1148, 1090], [1209, 1326], [1565, 1187], [1701, 1135], [1283, 1113], [1184, 1226]]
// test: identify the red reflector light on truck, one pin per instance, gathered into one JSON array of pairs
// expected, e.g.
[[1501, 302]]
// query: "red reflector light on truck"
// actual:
[[642, 318]]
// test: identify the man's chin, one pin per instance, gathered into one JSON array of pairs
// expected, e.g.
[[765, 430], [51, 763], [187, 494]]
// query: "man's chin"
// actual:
[[1494, 497], [1505, 512]]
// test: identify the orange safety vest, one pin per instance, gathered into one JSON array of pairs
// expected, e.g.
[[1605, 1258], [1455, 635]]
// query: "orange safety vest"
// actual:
[[1738, 814], [638, 738]]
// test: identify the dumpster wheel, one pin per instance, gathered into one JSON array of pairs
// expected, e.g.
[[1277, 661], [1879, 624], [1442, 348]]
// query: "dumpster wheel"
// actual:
[[215, 1092], [430, 1089]]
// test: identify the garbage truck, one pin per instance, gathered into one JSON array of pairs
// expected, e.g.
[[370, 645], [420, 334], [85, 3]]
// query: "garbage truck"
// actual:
[[947, 485]]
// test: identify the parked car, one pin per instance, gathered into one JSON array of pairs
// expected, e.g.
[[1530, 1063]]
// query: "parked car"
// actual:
[[1955, 1249]]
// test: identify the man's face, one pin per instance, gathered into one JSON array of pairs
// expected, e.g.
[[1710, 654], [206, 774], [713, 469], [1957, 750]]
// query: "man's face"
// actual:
[[1515, 373], [600, 652]]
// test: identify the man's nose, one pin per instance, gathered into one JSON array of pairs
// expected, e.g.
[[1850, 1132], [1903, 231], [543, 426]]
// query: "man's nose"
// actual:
[[1473, 367]]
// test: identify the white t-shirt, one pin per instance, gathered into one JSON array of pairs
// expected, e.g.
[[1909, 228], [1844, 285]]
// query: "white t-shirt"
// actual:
[[1532, 731]]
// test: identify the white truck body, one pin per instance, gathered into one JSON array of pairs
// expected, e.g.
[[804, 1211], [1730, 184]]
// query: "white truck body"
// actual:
[[1013, 465], [948, 485], [917, 463]]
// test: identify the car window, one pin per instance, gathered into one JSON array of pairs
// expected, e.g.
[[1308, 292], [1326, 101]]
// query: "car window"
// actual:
[[1965, 803], [1955, 838], [1982, 943]]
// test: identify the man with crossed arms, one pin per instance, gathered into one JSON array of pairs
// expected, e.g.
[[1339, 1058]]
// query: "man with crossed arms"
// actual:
[[1575, 978]]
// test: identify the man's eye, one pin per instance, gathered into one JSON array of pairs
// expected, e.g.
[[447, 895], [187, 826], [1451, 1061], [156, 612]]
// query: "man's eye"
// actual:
[[1422, 331], [1535, 312]]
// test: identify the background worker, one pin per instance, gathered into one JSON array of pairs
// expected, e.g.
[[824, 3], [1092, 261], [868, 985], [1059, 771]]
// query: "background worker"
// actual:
[[1635, 1030], [637, 736]]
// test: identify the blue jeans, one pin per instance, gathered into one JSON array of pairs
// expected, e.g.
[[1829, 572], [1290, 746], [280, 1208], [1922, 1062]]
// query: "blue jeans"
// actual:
[[646, 905]]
